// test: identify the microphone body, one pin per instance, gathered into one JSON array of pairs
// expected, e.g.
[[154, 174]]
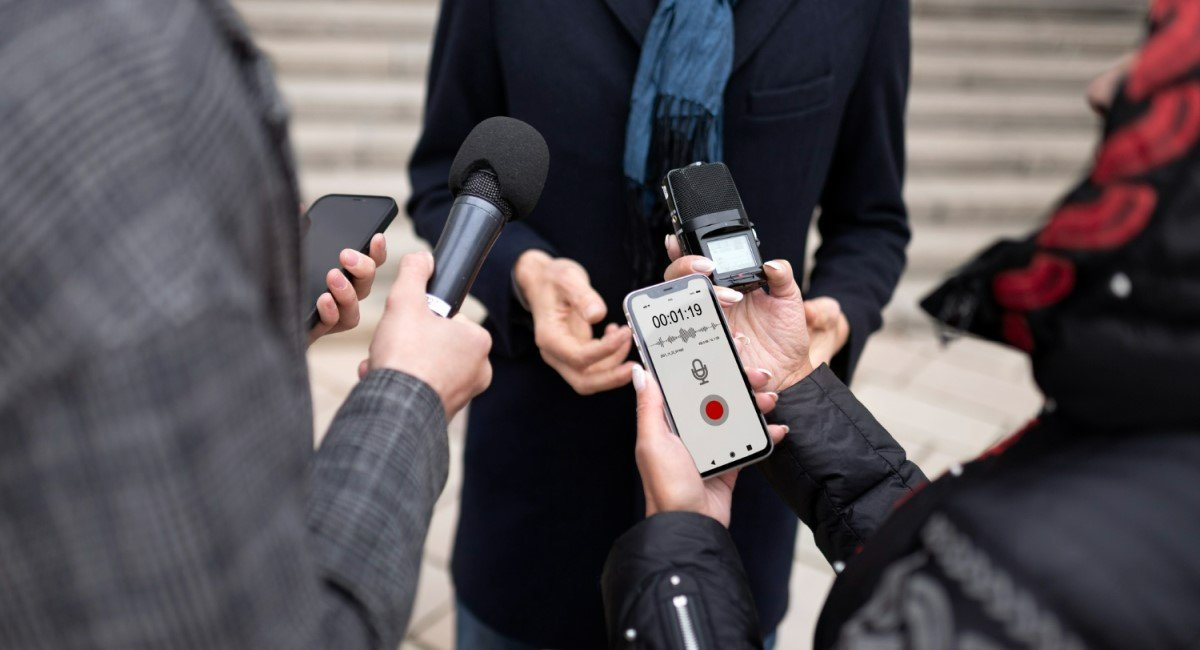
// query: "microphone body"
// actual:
[[472, 228], [497, 176]]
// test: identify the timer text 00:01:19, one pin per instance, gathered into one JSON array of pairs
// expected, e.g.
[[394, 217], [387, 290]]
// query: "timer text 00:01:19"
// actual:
[[676, 315]]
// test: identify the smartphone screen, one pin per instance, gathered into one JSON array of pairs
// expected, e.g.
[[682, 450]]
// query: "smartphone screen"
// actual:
[[338, 222], [684, 341]]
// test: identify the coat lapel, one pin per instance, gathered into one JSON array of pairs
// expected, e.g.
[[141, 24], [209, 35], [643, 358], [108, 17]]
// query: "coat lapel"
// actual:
[[753, 22]]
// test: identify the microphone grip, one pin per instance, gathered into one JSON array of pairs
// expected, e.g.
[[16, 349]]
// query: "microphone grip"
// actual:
[[471, 229]]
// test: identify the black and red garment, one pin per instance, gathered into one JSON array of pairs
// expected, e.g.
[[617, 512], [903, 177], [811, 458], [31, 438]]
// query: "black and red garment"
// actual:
[[1082, 530]]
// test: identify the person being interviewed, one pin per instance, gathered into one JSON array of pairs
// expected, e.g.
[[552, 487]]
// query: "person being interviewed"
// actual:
[[1079, 530]]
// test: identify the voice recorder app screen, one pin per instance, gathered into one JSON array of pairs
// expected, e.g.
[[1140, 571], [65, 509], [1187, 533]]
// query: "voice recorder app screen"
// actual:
[[695, 364]]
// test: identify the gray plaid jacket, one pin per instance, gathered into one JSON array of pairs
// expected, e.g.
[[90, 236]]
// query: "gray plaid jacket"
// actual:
[[158, 487]]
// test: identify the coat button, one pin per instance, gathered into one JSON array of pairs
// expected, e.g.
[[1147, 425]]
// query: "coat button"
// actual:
[[631, 634], [675, 581]]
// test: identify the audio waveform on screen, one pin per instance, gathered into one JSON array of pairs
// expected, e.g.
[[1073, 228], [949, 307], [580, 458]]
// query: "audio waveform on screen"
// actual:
[[685, 334]]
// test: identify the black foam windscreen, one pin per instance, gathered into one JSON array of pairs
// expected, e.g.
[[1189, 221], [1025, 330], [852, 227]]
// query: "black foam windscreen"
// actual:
[[704, 189], [511, 150]]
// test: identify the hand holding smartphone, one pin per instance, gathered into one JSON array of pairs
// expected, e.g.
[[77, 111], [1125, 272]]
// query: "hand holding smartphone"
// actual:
[[337, 222], [685, 343]]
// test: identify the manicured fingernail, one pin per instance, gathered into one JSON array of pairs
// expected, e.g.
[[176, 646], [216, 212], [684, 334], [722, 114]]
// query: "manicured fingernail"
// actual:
[[339, 281], [774, 395], [742, 337], [729, 295], [703, 266], [667, 242], [639, 378], [776, 266], [766, 372], [349, 258], [786, 428]]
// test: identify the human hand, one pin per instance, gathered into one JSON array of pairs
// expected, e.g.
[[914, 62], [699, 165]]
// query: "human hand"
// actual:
[[565, 307], [828, 329], [451, 355], [337, 309], [669, 475], [772, 327], [1103, 88]]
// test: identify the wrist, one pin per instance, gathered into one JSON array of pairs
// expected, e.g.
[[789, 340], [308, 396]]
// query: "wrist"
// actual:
[[796, 376]]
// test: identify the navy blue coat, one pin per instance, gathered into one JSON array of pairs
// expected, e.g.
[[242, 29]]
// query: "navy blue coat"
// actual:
[[814, 116]]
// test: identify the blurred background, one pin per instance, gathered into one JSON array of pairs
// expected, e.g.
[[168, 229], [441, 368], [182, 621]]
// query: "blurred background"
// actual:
[[998, 128]]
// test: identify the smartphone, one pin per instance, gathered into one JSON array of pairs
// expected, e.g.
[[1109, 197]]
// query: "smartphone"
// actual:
[[685, 343], [334, 223]]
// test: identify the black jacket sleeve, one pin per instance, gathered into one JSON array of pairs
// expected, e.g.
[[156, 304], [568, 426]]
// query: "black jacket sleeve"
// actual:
[[863, 222], [465, 88], [838, 469], [677, 576]]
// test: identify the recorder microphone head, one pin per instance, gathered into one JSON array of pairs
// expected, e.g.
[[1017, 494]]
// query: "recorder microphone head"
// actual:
[[503, 161], [709, 219], [702, 190]]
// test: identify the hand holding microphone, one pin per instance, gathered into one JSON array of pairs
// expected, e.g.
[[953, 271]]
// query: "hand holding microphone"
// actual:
[[449, 354]]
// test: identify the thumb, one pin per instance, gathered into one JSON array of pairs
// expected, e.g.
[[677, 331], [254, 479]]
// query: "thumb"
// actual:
[[651, 419], [581, 296], [781, 280], [409, 288]]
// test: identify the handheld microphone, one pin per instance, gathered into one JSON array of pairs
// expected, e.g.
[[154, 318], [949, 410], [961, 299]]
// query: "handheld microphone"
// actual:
[[497, 176]]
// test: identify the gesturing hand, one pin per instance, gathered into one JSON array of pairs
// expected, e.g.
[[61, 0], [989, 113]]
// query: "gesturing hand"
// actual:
[[564, 307], [337, 309], [669, 475], [772, 326]]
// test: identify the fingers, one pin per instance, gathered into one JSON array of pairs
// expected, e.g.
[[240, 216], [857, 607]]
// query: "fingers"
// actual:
[[777, 432], [378, 249], [576, 289], [688, 265], [766, 401], [361, 269], [559, 346], [409, 288], [327, 317], [780, 279], [673, 249], [822, 312], [345, 297], [758, 377], [364, 367]]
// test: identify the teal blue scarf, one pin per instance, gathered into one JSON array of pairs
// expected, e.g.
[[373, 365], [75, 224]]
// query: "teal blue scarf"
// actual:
[[675, 113]]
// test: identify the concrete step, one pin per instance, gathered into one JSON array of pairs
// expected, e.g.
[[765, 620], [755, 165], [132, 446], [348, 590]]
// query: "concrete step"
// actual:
[[1080, 10], [355, 99], [301, 57], [971, 37], [331, 145], [1012, 152], [412, 20], [990, 110], [999, 71], [936, 251], [1010, 202]]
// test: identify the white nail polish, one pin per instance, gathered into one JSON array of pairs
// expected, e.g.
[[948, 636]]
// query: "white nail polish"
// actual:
[[774, 266], [703, 266], [729, 295], [667, 242], [639, 378]]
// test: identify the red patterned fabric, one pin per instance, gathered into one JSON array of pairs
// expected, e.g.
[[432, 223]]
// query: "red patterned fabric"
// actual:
[[1172, 53], [1119, 214], [1164, 134]]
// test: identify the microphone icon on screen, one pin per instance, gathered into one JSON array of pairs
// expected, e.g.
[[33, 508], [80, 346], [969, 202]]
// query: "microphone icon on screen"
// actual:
[[700, 371]]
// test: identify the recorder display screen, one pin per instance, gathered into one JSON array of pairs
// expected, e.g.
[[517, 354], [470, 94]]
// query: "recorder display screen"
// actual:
[[693, 359]]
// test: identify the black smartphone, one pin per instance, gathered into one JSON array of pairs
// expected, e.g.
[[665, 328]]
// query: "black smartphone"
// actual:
[[336, 222], [684, 342]]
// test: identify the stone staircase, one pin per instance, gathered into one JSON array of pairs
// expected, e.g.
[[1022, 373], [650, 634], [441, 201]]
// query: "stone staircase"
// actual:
[[998, 127]]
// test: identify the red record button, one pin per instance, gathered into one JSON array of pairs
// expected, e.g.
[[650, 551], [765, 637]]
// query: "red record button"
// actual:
[[714, 410]]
